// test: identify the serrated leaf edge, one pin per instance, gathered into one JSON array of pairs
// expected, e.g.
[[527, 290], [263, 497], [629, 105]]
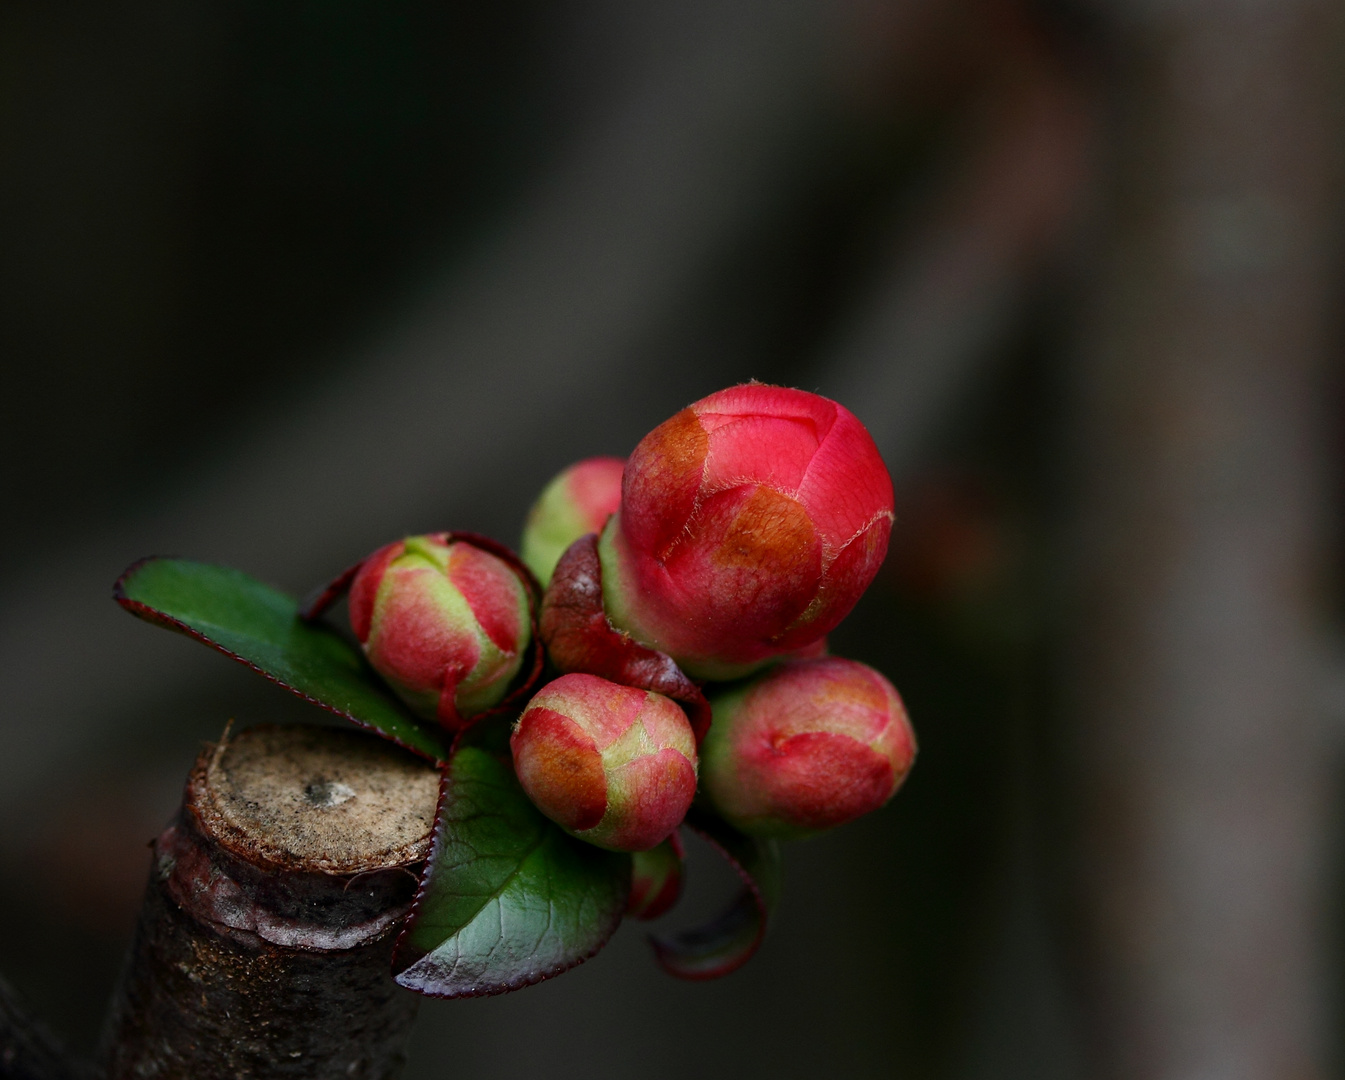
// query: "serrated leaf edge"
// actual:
[[153, 615], [498, 988]]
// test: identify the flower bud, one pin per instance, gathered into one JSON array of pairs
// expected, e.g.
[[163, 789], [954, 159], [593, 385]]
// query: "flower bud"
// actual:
[[750, 523], [655, 879], [805, 746], [609, 764], [446, 623], [577, 502]]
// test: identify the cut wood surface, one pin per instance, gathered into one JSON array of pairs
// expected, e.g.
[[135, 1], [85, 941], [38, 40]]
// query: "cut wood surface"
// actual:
[[264, 945]]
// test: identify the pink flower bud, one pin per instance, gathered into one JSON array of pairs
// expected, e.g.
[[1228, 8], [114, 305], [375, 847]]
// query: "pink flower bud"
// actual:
[[806, 746], [577, 502], [655, 879], [609, 764], [446, 623], [750, 523]]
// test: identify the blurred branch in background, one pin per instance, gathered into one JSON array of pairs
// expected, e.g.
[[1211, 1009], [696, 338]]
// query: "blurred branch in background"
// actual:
[[720, 123], [1200, 451], [890, 202], [533, 331], [955, 285], [529, 354]]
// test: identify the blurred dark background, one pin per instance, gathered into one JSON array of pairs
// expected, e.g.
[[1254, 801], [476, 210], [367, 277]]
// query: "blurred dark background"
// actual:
[[281, 282]]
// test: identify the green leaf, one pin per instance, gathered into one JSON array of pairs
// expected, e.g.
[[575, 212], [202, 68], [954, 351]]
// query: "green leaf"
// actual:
[[259, 626], [727, 942], [507, 898]]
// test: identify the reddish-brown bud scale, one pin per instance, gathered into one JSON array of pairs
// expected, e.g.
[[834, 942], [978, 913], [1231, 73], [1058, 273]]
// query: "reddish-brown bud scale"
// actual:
[[750, 523], [575, 503], [609, 764], [446, 623], [806, 746]]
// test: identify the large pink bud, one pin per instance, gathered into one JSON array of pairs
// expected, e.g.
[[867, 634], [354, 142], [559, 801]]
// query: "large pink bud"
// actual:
[[750, 523], [609, 764], [806, 746], [577, 502], [446, 623]]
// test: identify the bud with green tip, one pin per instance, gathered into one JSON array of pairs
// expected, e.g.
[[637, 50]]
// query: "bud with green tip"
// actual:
[[577, 502], [446, 623], [609, 764], [655, 879], [806, 746]]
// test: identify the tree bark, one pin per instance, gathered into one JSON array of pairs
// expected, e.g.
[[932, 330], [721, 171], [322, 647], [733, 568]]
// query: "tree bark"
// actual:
[[264, 945], [1200, 769]]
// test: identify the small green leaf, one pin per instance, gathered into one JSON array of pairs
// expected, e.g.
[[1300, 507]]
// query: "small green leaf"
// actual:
[[727, 942], [507, 898], [259, 626]]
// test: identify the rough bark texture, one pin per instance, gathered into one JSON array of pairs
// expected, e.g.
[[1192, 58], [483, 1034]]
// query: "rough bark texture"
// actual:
[[264, 945], [1199, 763]]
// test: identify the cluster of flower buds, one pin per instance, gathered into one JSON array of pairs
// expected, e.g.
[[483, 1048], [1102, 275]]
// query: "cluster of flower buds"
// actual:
[[696, 580]]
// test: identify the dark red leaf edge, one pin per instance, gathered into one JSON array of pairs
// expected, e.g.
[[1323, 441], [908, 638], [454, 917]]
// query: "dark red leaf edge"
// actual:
[[691, 954], [671, 894], [316, 603], [158, 618], [435, 842], [321, 599], [579, 637]]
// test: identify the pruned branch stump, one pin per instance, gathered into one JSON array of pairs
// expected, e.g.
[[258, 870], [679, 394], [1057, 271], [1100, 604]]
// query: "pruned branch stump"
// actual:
[[264, 945]]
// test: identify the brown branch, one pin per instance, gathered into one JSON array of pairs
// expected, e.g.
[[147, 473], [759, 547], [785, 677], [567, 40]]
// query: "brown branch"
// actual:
[[952, 289], [1197, 752], [264, 944]]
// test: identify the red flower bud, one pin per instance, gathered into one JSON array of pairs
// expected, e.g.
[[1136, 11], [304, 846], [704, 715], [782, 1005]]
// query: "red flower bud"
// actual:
[[750, 523], [577, 502], [805, 746], [655, 879], [444, 622], [609, 764]]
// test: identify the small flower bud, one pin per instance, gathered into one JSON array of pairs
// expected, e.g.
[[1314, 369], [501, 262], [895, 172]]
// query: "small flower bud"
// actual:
[[446, 623], [655, 879], [750, 523], [805, 746], [577, 502], [609, 764]]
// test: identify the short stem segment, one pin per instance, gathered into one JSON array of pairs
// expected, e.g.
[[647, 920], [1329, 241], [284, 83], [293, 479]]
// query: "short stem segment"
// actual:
[[264, 945]]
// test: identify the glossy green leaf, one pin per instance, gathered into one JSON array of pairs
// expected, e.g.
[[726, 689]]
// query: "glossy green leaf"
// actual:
[[727, 942], [508, 899], [259, 626]]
